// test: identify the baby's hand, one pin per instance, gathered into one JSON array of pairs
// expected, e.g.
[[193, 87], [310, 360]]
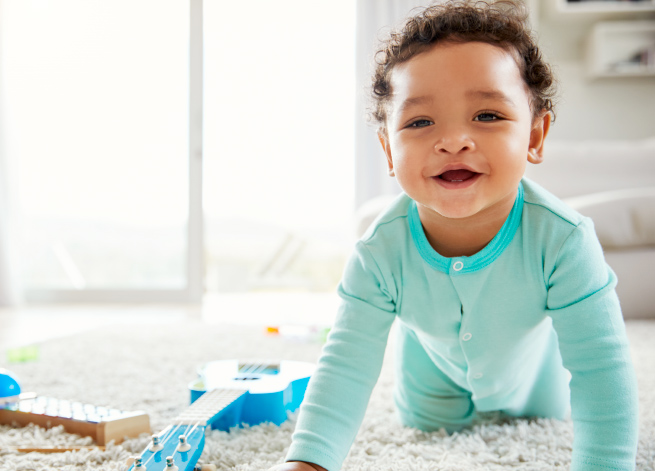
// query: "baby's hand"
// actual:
[[297, 466]]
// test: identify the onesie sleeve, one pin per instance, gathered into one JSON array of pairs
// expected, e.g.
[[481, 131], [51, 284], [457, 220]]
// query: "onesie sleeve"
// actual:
[[587, 317], [340, 388]]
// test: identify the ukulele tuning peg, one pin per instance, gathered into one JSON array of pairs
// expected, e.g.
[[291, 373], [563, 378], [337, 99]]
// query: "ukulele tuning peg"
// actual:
[[183, 445], [155, 444], [170, 464], [138, 465]]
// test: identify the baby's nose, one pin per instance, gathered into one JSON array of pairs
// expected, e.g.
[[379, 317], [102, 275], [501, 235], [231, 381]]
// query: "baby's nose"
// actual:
[[453, 143]]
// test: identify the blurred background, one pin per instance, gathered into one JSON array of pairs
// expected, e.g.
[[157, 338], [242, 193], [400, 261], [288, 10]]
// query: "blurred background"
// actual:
[[100, 198]]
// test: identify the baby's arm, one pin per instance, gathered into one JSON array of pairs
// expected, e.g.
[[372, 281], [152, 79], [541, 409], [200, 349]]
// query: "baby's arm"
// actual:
[[587, 317], [339, 390]]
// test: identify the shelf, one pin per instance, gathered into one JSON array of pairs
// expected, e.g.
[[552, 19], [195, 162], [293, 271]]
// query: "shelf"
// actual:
[[626, 72], [614, 46], [605, 7]]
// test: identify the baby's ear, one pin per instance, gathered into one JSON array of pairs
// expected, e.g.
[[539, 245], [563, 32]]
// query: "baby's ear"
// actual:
[[540, 128], [384, 140]]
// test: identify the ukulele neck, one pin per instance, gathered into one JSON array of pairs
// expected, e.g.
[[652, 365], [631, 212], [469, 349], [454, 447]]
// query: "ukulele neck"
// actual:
[[204, 410]]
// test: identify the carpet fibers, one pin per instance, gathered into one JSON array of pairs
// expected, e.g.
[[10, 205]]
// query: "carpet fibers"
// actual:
[[147, 367]]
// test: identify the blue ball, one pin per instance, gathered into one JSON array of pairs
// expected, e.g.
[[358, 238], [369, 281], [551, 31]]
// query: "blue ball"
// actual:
[[8, 384]]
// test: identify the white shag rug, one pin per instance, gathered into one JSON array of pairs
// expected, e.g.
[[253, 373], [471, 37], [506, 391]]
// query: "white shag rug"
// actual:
[[147, 367]]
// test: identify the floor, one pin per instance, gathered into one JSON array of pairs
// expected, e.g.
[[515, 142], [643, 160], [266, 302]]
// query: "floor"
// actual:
[[28, 325]]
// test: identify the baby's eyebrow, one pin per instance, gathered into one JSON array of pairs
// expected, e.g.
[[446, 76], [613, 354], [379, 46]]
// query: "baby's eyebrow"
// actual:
[[490, 95], [413, 101]]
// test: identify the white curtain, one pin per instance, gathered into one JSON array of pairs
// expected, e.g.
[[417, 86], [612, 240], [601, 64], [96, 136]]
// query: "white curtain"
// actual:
[[9, 272], [374, 19]]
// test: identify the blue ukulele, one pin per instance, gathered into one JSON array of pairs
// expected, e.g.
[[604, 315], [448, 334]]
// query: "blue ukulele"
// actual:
[[226, 394]]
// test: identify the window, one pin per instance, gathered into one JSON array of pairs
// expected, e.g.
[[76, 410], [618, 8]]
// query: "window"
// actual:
[[96, 110], [96, 115], [278, 143]]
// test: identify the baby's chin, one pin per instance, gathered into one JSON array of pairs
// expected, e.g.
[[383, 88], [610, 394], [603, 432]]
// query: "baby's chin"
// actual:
[[453, 211], [468, 206]]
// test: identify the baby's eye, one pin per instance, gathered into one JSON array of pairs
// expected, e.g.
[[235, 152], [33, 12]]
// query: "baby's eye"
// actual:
[[420, 123], [486, 117]]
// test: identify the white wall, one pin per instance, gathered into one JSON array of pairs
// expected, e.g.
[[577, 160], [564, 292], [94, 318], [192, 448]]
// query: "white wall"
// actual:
[[607, 108]]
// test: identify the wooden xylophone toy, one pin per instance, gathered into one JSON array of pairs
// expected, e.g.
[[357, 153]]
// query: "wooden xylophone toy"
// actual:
[[103, 424]]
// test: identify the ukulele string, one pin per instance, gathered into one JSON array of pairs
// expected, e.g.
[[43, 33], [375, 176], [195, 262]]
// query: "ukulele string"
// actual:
[[195, 426], [188, 435], [147, 447], [170, 432], [164, 436]]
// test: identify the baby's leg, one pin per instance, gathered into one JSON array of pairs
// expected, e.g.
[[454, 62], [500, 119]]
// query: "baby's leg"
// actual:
[[546, 399], [425, 397]]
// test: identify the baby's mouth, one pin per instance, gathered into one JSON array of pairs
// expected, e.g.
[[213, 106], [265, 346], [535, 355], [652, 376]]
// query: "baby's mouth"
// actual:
[[459, 175]]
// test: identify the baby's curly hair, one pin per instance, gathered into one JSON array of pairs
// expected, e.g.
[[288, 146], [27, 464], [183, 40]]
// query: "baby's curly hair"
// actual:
[[503, 23]]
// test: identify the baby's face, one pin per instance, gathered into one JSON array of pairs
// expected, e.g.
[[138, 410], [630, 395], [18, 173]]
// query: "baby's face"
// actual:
[[459, 128]]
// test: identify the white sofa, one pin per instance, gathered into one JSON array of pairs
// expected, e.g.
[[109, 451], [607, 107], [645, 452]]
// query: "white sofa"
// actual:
[[612, 182]]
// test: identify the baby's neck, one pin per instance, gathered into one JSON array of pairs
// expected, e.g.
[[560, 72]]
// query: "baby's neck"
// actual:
[[461, 242], [463, 237]]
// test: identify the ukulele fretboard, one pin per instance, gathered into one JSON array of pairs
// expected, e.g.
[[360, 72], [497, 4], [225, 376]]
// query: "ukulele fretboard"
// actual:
[[208, 405]]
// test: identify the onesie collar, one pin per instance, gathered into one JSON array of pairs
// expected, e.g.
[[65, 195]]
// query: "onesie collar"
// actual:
[[459, 265]]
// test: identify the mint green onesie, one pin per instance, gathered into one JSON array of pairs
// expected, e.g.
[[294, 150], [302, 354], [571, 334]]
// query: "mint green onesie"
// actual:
[[530, 326]]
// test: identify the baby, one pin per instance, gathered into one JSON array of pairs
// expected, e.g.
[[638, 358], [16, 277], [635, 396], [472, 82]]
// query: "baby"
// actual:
[[501, 295]]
